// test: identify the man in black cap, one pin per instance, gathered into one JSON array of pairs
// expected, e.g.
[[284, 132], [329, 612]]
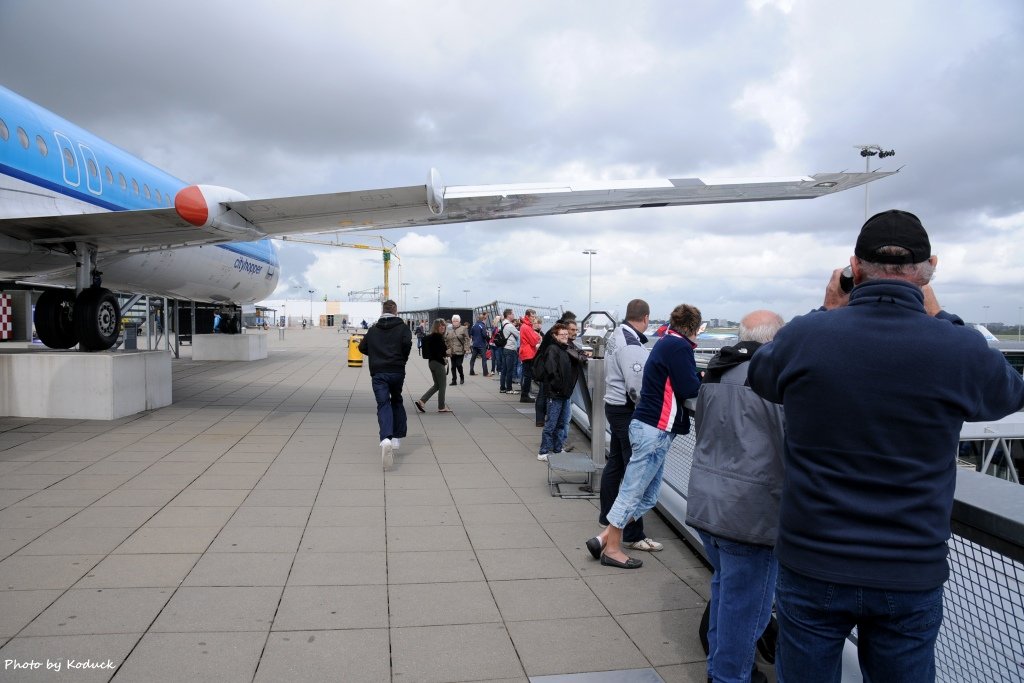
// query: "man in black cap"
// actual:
[[875, 387]]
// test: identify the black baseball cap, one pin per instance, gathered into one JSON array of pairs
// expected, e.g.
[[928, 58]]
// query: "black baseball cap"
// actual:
[[893, 228]]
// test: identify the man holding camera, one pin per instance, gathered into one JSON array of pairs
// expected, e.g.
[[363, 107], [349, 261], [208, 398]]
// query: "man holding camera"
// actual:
[[875, 387]]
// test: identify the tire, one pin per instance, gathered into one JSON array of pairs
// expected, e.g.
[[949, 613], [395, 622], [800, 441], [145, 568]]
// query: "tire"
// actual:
[[53, 318], [97, 319]]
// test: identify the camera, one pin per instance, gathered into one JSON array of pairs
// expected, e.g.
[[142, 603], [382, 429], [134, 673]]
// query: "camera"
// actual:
[[846, 279]]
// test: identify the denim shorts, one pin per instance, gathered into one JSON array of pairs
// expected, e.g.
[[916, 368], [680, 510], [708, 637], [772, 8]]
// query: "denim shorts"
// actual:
[[641, 483]]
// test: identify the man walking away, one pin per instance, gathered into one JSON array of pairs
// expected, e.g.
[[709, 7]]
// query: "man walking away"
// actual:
[[388, 344], [480, 336], [733, 500], [875, 386]]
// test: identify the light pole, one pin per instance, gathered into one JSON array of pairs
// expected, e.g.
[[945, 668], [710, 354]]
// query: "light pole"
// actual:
[[868, 151], [405, 295], [311, 307], [984, 315], [439, 296], [590, 280], [467, 291]]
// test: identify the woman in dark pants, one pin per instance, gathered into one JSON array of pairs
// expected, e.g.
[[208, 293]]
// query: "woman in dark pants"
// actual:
[[435, 350]]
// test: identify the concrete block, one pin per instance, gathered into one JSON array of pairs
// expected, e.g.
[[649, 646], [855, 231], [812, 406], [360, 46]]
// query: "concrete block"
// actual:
[[86, 386], [251, 346]]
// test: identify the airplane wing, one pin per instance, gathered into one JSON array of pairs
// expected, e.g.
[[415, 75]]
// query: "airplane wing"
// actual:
[[208, 215]]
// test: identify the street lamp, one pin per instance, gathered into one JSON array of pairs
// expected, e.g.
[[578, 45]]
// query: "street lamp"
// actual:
[[311, 307], [405, 295], [984, 315], [590, 288], [439, 296], [868, 151], [467, 291]]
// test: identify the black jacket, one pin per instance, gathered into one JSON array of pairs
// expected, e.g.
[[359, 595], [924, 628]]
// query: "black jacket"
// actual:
[[388, 344], [560, 368], [435, 348]]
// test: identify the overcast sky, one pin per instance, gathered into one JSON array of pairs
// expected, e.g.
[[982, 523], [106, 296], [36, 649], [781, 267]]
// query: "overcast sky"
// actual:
[[281, 98]]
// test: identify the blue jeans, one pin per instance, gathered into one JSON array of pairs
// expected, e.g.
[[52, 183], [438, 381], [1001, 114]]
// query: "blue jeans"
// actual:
[[482, 355], [896, 630], [639, 489], [742, 588], [619, 454], [540, 406], [497, 358], [387, 389], [510, 358], [558, 414]]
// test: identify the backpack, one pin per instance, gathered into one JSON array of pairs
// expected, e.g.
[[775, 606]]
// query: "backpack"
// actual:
[[499, 338]]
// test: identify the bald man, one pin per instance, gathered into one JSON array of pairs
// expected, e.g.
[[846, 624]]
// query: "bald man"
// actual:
[[737, 457]]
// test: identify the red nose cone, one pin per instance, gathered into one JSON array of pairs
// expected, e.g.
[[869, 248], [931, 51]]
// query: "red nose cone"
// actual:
[[191, 205]]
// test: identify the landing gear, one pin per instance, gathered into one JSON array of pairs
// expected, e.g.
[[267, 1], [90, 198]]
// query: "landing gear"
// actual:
[[92, 319]]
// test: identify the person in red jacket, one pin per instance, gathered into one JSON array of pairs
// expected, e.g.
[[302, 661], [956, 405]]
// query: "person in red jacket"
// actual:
[[529, 342]]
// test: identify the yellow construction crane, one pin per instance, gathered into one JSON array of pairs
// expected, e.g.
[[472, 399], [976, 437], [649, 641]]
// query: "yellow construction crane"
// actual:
[[388, 252]]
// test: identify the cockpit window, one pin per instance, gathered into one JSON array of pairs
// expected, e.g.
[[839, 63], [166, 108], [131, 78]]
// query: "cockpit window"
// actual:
[[22, 137], [4, 133], [41, 145]]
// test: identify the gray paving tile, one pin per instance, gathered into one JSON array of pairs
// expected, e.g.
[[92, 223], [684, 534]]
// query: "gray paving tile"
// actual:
[[668, 637], [69, 540], [525, 563], [371, 517], [536, 599], [94, 611], [30, 572], [426, 538], [435, 604], [222, 657], [122, 516], [18, 608], [496, 514], [587, 644], [508, 536], [358, 655], [168, 540], [209, 497], [182, 516], [281, 498], [254, 539], [240, 569], [433, 567], [139, 571], [340, 539], [200, 609], [684, 673], [35, 517], [101, 650], [340, 569], [12, 540], [453, 653], [485, 496], [270, 516], [54, 499], [631, 591], [419, 497], [332, 607]]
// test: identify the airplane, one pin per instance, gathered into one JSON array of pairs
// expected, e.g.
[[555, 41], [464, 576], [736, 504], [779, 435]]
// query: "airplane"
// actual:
[[82, 218]]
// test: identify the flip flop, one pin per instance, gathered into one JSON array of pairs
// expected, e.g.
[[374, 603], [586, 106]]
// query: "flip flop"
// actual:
[[595, 547], [631, 563], [420, 407], [444, 410]]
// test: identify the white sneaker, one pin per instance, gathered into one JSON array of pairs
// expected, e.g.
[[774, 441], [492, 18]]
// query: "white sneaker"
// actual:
[[543, 457], [387, 453], [396, 443], [647, 544]]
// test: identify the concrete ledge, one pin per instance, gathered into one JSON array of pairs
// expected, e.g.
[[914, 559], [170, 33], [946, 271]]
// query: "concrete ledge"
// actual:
[[252, 346], [86, 386]]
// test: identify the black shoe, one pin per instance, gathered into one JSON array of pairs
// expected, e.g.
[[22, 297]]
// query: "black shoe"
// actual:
[[631, 563], [452, 384], [526, 400], [462, 380], [595, 547], [471, 373], [540, 423]]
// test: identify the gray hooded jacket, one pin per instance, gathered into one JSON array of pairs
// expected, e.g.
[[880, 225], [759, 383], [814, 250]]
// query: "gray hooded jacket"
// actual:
[[736, 477]]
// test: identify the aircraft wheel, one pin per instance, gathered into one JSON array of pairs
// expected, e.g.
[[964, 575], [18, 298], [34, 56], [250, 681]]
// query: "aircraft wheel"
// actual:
[[53, 318], [97, 319]]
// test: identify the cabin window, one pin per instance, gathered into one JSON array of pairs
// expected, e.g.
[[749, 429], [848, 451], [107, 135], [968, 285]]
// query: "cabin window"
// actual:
[[135, 186], [145, 191], [41, 145], [22, 137], [121, 181], [159, 198], [69, 158], [168, 198], [91, 165], [110, 175], [4, 133]]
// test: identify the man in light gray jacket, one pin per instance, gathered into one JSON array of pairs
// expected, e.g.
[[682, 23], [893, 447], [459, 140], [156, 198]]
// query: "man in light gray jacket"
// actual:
[[733, 499]]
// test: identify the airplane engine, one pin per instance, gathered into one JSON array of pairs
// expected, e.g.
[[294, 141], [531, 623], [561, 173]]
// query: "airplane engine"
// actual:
[[209, 207]]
